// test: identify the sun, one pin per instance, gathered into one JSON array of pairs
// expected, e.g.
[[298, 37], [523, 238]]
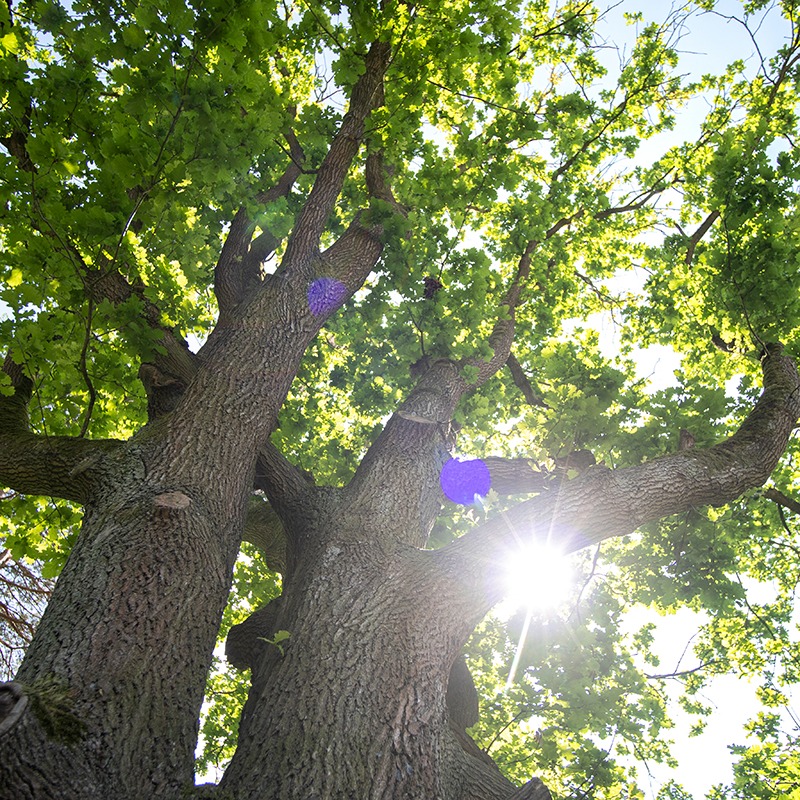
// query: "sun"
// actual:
[[537, 577]]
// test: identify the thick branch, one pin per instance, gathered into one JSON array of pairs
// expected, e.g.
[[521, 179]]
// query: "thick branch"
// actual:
[[58, 466], [603, 503], [408, 457], [49, 466], [349, 260], [480, 777], [502, 335], [515, 475], [286, 486], [264, 529], [412, 449], [238, 270], [232, 281], [697, 236]]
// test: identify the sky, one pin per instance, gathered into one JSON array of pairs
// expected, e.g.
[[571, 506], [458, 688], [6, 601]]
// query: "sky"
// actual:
[[710, 42]]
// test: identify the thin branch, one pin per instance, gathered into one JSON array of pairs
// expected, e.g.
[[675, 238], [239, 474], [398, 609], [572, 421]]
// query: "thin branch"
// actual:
[[681, 673], [484, 101], [516, 718], [589, 578], [643, 199], [782, 500], [522, 383], [698, 235], [83, 369]]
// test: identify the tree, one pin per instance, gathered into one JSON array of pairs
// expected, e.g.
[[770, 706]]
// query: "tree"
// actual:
[[266, 266]]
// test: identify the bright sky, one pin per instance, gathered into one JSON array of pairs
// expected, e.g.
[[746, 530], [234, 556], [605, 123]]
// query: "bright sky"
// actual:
[[709, 44]]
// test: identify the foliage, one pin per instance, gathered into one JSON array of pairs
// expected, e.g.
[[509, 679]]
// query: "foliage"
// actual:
[[227, 688], [504, 123]]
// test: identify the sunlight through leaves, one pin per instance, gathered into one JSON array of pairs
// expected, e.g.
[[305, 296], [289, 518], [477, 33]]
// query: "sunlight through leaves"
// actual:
[[537, 577]]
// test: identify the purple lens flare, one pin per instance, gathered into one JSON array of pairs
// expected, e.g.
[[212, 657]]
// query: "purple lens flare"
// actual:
[[325, 295], [464, 481]]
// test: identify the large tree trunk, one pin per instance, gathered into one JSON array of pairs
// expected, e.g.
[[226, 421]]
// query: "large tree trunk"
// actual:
[[357, 697], [353, 703], [128, 634]]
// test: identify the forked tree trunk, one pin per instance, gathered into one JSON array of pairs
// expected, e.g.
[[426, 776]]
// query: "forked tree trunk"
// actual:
[[353, 705]]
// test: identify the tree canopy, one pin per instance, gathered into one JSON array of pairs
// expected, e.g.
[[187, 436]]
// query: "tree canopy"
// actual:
[[286, 267]]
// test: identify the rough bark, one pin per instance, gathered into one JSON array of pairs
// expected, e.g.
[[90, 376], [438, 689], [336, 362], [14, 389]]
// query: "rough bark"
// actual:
[[54, 466], [355, 705], [132, 623], [358, 695]]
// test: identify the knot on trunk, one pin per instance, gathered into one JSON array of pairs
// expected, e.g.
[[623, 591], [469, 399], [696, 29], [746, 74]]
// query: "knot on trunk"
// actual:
[[245, 641], [13, 703], [163, 390], [51, 702]]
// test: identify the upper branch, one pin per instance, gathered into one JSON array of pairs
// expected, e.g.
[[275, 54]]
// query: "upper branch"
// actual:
[[238, 270], [366, 94], [407, 457], [411, 450], [502, 335], [697, 236], [603, 503]]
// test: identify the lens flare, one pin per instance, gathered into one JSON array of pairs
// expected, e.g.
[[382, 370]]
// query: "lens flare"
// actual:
[[325, 295], [537, 576], [465, 481]]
